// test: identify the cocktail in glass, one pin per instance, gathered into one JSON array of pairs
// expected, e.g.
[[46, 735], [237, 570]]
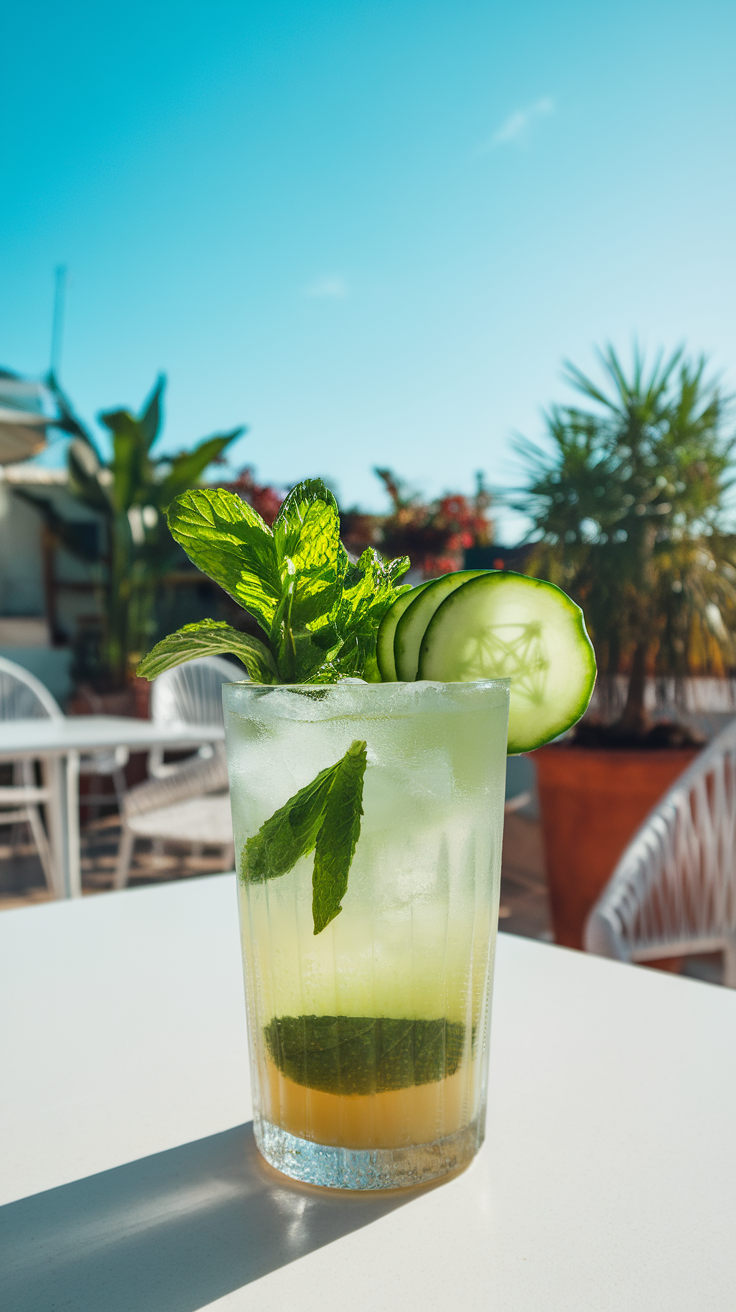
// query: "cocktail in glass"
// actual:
[[369, 1040]]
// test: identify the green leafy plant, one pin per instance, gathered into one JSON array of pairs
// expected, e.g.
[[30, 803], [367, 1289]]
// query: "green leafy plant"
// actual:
[[435, 534], [130, 494], [319, 612], [629, 516]]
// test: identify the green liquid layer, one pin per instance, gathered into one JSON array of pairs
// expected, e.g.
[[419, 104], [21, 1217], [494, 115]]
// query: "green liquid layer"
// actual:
[[363, 1054]]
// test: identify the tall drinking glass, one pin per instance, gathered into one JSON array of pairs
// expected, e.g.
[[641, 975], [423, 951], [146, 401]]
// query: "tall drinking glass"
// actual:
[[369, 1040]]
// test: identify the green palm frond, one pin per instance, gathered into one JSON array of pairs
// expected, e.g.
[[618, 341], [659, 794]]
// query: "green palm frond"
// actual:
[[628, 509], [130, 493]]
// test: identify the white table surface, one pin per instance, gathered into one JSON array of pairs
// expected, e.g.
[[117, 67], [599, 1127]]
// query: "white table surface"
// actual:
[[607, 1182], [89, 733], [59, 744]]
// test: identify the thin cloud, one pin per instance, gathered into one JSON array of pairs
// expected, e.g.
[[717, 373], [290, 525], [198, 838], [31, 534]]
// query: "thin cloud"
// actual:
[[516, 128], [330, 288]]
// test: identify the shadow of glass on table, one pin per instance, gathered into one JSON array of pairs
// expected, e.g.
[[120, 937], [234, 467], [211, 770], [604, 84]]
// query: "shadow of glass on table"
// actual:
[[171, 1232]]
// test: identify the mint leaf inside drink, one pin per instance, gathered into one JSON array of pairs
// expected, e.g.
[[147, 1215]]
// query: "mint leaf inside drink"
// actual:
[[338, 836], [323, 817], [290, 833], [359, 1055]]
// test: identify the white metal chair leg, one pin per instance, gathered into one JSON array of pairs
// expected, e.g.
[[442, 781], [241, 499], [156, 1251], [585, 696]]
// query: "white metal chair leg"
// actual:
[[74, 867], [729, 964], [121, 787], [53, 774], [125, 854], [42, 847], [17, 835]]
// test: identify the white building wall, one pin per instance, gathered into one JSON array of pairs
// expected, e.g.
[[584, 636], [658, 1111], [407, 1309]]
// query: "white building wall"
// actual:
[[22, 591], [21, 564]]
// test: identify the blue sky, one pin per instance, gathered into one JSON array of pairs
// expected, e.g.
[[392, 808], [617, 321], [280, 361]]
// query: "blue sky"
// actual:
[[371, 231]]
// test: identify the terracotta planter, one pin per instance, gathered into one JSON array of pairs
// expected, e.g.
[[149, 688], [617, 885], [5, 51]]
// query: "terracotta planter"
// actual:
[[592, 802]]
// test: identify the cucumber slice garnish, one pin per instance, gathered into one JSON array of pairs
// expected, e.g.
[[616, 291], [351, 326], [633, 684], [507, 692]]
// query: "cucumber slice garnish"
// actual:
[[387, 629], [504, 625], [412, 624]]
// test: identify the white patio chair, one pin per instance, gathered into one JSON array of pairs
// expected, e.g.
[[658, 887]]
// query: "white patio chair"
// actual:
[[190, 806], [189, 694], [20, 801], [673, 892], [23, 696]]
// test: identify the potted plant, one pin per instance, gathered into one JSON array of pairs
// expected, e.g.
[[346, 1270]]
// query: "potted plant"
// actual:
[[628, 510], [434, 534], [129, 494]]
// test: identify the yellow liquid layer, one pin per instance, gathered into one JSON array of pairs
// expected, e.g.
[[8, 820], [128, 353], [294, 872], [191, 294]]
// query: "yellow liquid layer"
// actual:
[[420, 1114]]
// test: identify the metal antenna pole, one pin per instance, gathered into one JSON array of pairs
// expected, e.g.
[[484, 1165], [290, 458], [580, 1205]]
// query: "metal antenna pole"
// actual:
[[57, 329]]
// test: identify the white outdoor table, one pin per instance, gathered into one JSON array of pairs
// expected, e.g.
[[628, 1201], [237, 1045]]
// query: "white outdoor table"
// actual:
[[131, 1182], [60, 743]]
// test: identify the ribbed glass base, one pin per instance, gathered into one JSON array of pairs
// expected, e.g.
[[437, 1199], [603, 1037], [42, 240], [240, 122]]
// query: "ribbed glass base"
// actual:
[[370, 1168]]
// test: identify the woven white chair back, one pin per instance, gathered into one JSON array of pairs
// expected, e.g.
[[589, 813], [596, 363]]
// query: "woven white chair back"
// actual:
[[195, 778], [189, 694], [23, 696], [673, 892], [192, 693]]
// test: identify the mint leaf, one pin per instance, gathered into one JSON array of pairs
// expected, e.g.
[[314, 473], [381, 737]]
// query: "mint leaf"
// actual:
[[210, 638], [364, 1054], [338, 836], [330, 624], [290, 833], [323, 817], [307, 527], [369, 588], [312, 564], [227, 539]]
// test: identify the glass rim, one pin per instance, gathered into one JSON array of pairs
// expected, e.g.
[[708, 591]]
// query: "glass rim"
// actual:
[[500, 682]]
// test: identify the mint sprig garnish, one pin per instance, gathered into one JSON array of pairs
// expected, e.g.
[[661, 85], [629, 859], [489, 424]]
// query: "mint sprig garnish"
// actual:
[[323, 817], [318, 611]]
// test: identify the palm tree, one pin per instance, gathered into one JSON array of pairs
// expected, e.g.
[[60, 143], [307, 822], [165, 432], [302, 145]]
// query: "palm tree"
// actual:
[[629, 517], [130, 494]]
